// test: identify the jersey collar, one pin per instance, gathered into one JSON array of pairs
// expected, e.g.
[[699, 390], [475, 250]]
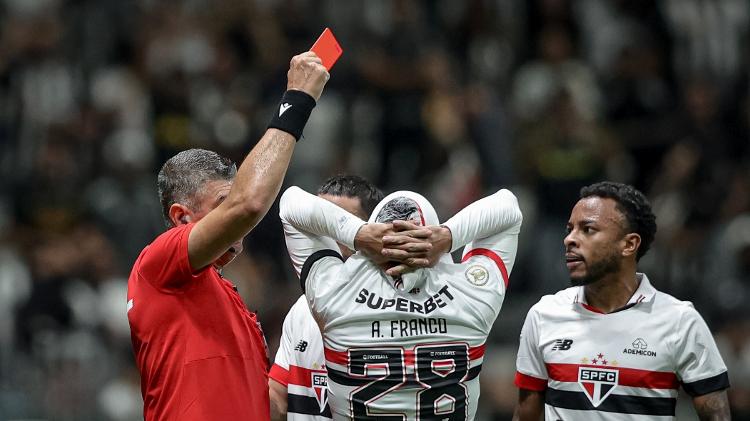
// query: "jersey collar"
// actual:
[[644, 294]]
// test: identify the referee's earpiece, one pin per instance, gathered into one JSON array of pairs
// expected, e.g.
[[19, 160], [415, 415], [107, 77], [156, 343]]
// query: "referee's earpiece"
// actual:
[[184, 219]]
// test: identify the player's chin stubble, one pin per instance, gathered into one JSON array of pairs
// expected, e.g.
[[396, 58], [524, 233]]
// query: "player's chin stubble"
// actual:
[[597, 270]]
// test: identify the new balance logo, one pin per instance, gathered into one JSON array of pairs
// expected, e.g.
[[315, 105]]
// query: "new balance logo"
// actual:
[[301, 346], [562, 344], [283, 107]]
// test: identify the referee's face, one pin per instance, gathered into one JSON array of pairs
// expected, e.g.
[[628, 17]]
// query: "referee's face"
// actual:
[[593, 246], [212, 195]]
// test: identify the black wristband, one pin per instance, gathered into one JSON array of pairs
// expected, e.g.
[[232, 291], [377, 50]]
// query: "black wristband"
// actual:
[[292, 113]]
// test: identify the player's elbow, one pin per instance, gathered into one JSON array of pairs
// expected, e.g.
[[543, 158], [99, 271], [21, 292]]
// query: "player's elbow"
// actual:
[[512, 209], [287, 200]]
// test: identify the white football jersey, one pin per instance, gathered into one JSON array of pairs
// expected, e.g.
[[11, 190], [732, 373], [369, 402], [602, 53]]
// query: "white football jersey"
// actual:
[[405, 353], [626, 365], [300, 366]]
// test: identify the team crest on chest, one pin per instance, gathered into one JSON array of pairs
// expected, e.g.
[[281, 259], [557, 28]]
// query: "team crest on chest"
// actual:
[[598, 382], [319, 382], [477, 275]]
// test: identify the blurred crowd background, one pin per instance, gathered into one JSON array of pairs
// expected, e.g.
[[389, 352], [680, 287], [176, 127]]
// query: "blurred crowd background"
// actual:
[[453, 99]]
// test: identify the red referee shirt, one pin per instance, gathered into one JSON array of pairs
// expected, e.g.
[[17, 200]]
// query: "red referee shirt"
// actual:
[[201, 353]]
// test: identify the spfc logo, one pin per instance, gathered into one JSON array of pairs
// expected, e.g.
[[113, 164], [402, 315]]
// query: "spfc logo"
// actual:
[[597, 383], [320, 386]]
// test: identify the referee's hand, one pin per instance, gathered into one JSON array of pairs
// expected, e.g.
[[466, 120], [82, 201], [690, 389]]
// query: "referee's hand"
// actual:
[[307, 74]]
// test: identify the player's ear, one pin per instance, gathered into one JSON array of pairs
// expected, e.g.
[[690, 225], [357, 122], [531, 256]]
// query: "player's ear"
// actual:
[[632, 241], [179, 214]]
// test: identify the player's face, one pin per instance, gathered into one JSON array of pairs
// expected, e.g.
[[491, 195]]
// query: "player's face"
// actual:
[[593, 246], [212, 194], [351, 205]]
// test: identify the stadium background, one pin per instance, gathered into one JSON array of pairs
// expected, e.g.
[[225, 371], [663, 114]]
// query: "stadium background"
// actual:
[[450, 98]]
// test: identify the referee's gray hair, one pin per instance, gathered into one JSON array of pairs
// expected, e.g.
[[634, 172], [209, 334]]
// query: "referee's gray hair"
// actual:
[[182, 177]]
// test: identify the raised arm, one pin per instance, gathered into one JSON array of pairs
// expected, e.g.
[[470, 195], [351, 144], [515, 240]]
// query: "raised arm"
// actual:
[[486, 221], [495, 222], [311, 224], [492, 222], [260, 176]]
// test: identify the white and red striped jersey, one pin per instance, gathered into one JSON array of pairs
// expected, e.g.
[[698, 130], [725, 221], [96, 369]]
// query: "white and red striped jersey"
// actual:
[[300, 366], [413, 352], [626, 365]]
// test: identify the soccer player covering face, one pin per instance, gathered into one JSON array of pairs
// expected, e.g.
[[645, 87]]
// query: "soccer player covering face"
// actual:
[[200, 352], [613, 347], [298, 380], [405, 347]]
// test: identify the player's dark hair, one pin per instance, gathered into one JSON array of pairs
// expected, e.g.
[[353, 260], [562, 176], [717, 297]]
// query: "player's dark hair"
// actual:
[[353, 186], [633, 205], [183, 176]]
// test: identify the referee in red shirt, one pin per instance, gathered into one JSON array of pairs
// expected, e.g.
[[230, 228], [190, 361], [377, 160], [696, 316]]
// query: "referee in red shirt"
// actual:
[[200, 352]]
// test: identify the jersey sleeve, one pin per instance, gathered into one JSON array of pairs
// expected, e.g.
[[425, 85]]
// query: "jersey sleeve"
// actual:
[[489, 228], [531, 372], [165, 263], [280, 369], [311, 225], [699, 364]]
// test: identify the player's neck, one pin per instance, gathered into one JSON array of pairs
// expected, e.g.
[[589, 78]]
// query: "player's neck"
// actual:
[[612, 292]]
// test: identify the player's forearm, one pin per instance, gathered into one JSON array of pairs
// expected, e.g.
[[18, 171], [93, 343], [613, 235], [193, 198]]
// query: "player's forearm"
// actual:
[[530, 406], [713, 406], [317, 216], [485, 217], [277, 394]]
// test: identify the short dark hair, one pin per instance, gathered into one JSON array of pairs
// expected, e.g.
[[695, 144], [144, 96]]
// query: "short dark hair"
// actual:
[[183, 175], [633, 205], [353, 186]]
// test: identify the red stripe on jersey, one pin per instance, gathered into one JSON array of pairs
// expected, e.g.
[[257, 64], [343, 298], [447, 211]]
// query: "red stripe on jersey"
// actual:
[[337, 357], [631, 377], [524, 381], [342, 357], [476, 352], [408, 358], [492, 255], [302, 376], [280, 374]]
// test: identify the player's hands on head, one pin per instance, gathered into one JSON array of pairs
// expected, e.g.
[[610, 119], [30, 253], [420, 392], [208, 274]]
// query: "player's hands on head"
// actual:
[[415, 246], [369, 240], [307, 74]]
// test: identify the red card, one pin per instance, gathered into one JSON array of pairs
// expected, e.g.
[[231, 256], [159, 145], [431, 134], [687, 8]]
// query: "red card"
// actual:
[[327, 48]]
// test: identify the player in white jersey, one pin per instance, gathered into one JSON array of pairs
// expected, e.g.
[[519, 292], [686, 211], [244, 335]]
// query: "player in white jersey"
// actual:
[[612, 347], [409, 348], [297, 380]]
